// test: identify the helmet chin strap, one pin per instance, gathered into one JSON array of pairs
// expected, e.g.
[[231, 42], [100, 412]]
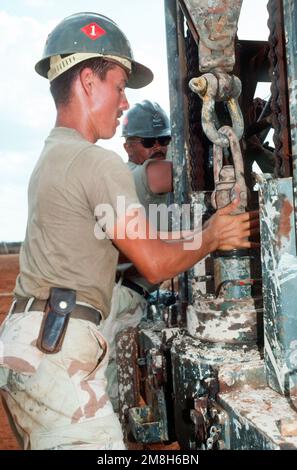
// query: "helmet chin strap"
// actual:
[[59, 65]]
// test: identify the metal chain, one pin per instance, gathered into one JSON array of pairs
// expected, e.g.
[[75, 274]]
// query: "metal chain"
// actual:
[[229, 180], [278, 89], [216, 28], [214, 436], [216, 87], [197, 146]]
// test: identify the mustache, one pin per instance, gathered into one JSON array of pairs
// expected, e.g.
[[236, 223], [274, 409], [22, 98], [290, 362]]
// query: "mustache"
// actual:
[[120, 114]]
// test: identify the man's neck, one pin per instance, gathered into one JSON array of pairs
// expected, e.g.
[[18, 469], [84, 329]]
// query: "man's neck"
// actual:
[[75, 119], [135, 161]]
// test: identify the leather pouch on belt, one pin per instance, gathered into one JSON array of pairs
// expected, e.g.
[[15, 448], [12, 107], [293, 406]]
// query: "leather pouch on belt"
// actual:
[[55, 320]]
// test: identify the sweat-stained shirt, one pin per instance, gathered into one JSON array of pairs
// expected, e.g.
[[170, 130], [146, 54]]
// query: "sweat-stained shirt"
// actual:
[[70, 179]]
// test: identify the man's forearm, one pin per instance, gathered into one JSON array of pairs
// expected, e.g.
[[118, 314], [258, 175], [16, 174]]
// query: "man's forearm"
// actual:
[[179, 235], [157, 259]]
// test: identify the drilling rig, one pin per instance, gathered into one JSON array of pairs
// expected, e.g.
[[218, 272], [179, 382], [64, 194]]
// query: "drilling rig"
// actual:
[[217, 368]]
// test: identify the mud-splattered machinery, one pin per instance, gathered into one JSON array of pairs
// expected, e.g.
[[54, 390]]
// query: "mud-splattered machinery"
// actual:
[[217, 369]]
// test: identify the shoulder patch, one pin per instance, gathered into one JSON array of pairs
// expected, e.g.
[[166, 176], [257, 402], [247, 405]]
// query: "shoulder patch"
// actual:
[[93, 31]]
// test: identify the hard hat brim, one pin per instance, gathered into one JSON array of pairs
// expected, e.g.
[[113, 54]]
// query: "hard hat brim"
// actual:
[[140, 77]]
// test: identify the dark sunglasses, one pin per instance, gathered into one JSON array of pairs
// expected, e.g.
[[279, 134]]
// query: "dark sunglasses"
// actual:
[[149, 142]]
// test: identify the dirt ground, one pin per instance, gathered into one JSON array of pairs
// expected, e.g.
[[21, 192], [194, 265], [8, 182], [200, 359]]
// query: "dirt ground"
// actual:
[[9, 267]]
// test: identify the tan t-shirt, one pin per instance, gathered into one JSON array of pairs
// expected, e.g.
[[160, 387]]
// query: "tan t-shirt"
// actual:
[[71, 177]]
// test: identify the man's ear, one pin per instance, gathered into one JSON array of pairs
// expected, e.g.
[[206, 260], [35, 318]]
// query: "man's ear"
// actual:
[[87, 80], [127, 147]]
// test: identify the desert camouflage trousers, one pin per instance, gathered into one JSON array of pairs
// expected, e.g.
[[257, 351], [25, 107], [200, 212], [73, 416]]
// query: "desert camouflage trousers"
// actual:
[[127, 309], [57, 401]]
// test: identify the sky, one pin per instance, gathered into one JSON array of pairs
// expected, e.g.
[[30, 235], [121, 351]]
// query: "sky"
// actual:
[[27, 109]]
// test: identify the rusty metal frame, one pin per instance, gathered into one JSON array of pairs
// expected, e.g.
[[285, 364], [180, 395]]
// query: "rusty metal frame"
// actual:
[[290, 26]]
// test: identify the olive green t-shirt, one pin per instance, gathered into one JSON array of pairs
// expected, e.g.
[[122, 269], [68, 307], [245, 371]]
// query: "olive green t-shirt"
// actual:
[[146, 197], [71, 178]]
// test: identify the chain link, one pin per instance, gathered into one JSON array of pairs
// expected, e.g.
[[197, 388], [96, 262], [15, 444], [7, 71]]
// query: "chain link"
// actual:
[[213, 88], [216, 28], [229, 180]]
